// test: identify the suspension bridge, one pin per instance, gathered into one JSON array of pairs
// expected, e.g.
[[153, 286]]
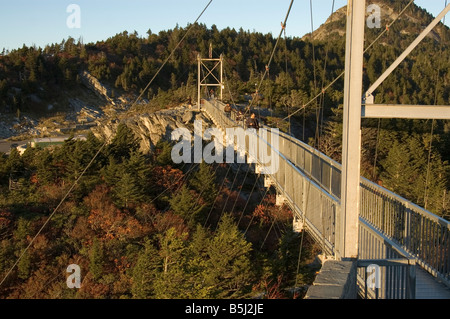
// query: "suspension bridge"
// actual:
[[410, 244], [350, 217]]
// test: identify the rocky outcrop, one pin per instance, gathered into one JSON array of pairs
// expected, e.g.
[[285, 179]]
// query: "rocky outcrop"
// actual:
[[151, 128], [11, 126], [92, 83], [83, 113]]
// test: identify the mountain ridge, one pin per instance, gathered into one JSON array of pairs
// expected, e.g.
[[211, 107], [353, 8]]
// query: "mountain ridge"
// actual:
[[48, 80], [414, 18]]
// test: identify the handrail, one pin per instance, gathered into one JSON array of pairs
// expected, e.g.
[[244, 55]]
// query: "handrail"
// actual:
[[405, 220], [420, 232], [408, 203], [369, 183], [300, 171], [309, 190]]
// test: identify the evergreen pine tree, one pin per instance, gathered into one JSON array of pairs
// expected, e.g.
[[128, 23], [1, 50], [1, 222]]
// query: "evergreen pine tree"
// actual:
[[436, 185], [123, 144], [127, 190], [197, 263], [4, 174], [145, 271], [139, 165], [6, 249], [184, 204], [14, 163], [204, 182], [171, 281], [287, 253], [111, 172], [96, 259], [163, 153], [229, 271], [397, 169], [24, 266]]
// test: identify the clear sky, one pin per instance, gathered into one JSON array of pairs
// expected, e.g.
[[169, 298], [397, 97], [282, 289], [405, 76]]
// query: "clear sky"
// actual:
[[41, 22]]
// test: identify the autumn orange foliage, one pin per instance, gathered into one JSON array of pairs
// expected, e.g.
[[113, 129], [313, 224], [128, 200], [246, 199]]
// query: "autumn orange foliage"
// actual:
[[267, 211], [108, 220], [168, 177]]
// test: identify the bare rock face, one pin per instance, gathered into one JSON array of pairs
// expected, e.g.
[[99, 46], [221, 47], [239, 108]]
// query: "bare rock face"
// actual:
[[153, 127], [92, 83]]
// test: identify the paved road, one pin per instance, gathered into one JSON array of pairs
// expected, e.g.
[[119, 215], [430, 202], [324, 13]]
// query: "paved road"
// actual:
[[5, 146]]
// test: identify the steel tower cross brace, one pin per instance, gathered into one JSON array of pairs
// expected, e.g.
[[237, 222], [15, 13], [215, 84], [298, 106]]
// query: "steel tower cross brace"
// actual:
[[202, 81], [371, 110]]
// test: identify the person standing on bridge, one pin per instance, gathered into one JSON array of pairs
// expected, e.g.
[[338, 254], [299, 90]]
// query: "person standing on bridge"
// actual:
[[227, 110], [253, 122], [239, 117]]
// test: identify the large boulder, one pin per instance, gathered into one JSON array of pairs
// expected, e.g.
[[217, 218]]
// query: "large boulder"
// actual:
[[153, 127]]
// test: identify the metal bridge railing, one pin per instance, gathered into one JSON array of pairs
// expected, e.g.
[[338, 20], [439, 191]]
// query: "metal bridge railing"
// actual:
[[421, 233], [391, 268], [320, 167], [409, 228], [317, 209]]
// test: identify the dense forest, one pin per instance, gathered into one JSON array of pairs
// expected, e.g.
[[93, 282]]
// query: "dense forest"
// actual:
[[140, 226], [300, 68], [132, 214]]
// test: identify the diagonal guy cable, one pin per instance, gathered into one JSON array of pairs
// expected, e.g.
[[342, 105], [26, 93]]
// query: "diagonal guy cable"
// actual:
[[283, 26], [343, 72], [100, 149]]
